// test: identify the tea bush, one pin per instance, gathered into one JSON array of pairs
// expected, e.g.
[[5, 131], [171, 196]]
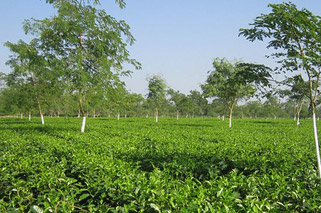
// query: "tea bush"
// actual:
[[136, 165]]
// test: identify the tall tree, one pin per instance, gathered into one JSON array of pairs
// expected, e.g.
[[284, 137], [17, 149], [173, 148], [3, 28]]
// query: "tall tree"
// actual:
[[226, 84], [298, 91], [91, 44], [183, 104], [294, 35], [156, 96], [199, 103], [271, 106], [30, 70]]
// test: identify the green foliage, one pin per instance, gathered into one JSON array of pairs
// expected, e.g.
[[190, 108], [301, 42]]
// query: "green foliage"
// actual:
[[298, 91], [32, 78], [89, 46], [227, 83], [132, 165], [294, 34], [121, 3], [299, 88], [156, 91], [230, 82]]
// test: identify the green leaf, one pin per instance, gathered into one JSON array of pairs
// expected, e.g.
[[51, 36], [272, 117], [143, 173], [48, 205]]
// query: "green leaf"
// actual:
[[84, 196], [36, 209], [155, 207]]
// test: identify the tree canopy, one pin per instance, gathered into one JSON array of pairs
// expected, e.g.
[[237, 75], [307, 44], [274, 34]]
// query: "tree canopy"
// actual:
[[294, 34]]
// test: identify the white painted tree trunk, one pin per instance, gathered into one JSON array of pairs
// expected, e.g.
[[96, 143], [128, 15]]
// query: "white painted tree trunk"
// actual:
[[156, 115], [21, 116], [147, 116], [125, 115], [177, 115], [298, 121], [83, 124], [42, 119], [118, 116], [223, 117], [29, 117], [316, 140], [230, 118], [294, 118]]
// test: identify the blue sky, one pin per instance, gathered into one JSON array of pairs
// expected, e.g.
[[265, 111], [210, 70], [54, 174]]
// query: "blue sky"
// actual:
[[174, 38]]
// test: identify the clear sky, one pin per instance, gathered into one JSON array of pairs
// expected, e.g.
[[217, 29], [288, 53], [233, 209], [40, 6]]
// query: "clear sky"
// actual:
[[177, 39]]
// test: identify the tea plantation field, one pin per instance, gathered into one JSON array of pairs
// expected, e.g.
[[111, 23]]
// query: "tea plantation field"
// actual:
[[132, 165]]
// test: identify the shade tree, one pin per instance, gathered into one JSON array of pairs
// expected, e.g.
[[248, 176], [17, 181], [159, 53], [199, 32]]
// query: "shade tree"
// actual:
[[156, 96], [294, 35], [31, 72], [90, 44], [297, 91], [229, 83], [199, 103]]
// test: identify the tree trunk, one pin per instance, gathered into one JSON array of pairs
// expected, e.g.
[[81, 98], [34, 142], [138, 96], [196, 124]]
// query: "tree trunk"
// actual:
[[83, 124], [37, 97], [315, 130], [21, 116], [156, 115], [177, 115], [298, 111], [316, 140], [230, 118], [231, 107], [42, 119], [223, 117], [40, 111], [81, 112], [29, 116], [298, 121], [118, 116]]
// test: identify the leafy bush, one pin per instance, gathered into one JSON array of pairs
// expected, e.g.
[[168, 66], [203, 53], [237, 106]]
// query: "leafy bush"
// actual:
[[132, 165]]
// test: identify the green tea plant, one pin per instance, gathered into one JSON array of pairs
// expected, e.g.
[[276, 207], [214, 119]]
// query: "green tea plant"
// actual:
[[136, 165]]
